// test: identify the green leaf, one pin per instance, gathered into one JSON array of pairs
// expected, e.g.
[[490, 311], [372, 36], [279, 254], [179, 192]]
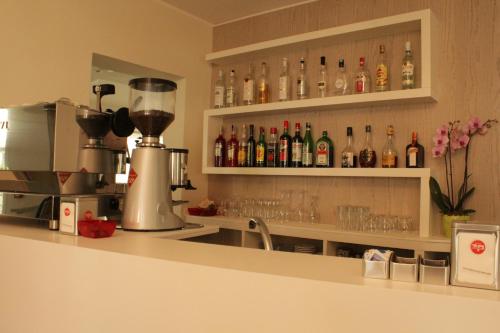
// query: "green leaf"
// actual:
[[447, 201], [437, 196], [462, 200], [468, 211], [461, 191]]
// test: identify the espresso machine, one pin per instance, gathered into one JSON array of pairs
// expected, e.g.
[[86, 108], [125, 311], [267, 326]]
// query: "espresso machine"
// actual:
[[148, 201], [52, 153]]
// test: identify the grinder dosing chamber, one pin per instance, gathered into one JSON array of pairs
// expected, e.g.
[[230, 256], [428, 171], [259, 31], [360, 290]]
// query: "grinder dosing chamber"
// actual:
[[148, 201]]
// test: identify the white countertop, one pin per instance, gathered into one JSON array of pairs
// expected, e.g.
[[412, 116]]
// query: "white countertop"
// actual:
[[160, 245]]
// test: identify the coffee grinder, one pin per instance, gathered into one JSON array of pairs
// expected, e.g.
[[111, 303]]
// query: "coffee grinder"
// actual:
[[148, 201]]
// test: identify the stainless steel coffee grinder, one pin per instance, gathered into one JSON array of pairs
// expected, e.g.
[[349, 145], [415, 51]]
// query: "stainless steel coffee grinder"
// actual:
[[148, 201]]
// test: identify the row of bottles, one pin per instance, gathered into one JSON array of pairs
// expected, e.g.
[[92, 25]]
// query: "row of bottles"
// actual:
[[298, 151], [258, 91]]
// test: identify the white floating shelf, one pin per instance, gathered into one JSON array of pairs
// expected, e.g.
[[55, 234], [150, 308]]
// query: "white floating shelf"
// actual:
[[396, 24], [420, 95], [324, 172]]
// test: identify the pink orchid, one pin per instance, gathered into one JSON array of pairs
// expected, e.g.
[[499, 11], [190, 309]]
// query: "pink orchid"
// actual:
[[440, 140], [474, 124], [442, 131], [438, 151], [459, 140]]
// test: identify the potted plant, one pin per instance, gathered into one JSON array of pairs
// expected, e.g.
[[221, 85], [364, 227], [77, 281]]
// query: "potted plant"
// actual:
[[449, 139]]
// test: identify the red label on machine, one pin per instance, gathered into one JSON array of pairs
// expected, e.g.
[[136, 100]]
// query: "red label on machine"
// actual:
[[63, 177], [477, 247], [67, 212], [132, 175], [88, 215]]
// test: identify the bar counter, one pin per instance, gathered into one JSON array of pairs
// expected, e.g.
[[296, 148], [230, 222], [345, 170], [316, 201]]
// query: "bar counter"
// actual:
[[146, 282]]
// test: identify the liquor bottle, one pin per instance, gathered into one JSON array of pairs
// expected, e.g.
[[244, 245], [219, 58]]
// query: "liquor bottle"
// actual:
[[251, 149], [261, 150], [232, 149], [324, 151], [362, 81], [408, 69], [243, 147], [249, 87], [273, 149], [220, 150], [323, 77], [382, 72], [284, 81], [219, 90], [263, 86], [341, 80], [367, 156], [308, 148], [231, 91], [349, 158], [301, 80], [297, 144], [414, 153], [389, 154], [285, 147]]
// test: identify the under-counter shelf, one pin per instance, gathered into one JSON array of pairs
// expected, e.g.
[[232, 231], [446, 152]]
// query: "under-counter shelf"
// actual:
[[328, 234]]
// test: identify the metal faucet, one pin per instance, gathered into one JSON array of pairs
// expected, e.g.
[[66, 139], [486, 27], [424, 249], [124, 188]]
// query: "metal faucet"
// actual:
[[264, 232]]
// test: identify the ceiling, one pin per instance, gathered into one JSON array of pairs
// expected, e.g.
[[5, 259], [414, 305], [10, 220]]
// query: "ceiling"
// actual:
[[222, 11]]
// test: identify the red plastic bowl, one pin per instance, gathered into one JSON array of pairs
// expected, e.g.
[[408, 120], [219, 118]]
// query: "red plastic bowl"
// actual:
[[195, 211], [96, 228]]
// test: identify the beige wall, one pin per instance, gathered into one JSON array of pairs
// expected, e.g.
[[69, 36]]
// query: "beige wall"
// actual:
[[468, 78], [47, 49]]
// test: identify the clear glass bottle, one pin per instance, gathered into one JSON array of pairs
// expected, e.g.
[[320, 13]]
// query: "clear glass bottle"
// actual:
[[389, 153], [362, 81], [249, 87], [263, 86], [231, 91], [341, 83], [408, 69], [302, 80], [220, 150], [367, 155], [323, 78], [219, 90], [284, 81], [273, 149], [243, 147], [414, 153], [308, 148], [382, 72], [349, 158]]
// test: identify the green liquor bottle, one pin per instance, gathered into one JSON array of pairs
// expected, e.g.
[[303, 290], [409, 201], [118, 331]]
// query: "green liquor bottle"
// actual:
[[308, 148], [261, 150], [324, 151]]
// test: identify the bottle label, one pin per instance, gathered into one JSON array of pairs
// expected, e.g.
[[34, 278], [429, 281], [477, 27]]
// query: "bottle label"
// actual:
[[361, 86], [248, 93], [271, 154], [283, 150], [283, 88], [218, 149], [322, 154], [412, 156], [230, 96], [348, 160], [297, 152], [389, 161], [230, 153], [242, 155], [382, 76], [219, 97], [301, 88], [407, 69], [261, 152], [307, 157], [339, 83]]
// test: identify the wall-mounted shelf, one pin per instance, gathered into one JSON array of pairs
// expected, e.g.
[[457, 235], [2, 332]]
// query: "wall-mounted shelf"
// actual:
[[421, 21]]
